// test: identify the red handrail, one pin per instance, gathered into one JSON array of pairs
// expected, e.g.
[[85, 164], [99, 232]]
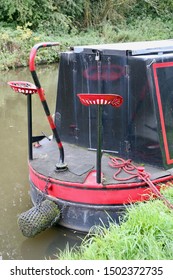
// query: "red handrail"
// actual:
[[34, 51]]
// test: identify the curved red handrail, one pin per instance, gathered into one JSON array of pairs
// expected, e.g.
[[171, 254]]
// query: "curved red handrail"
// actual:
[[34, 51]]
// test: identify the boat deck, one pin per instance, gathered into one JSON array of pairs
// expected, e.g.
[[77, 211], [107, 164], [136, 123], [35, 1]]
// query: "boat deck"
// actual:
[[80, 162]]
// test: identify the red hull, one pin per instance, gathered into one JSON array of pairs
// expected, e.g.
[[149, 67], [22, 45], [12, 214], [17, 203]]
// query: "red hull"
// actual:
[[90, 192]]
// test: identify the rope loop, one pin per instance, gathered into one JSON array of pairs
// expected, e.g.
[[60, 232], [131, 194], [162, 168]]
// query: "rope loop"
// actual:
[[135, 172]]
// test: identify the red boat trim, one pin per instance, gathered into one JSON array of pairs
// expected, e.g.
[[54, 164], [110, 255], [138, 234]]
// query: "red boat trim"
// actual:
[[165, 140], [60, 201], [93, 194]]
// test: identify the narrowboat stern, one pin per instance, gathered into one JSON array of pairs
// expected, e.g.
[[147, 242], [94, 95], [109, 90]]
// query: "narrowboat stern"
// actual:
[[111, 143]]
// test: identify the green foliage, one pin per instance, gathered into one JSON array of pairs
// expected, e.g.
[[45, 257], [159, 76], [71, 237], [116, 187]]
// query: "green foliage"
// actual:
[[145, 29], [145, 234], [24, 23], [60, 16], [40, 13], [15, 46], [16, 43], [152, 8], [97, 13]]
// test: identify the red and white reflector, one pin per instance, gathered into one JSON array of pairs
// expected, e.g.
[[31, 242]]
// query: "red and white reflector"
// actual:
[[23, 87], [100, 99]]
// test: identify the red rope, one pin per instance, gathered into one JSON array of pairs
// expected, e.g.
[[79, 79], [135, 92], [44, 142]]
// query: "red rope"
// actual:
[[135, 172]]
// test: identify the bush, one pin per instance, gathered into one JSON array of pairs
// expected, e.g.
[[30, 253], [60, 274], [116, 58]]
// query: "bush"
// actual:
[[25, 23], [15, 46], [152, 8], [61, 16]]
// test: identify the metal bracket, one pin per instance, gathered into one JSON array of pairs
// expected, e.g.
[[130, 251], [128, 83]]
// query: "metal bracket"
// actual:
[[37, 138]]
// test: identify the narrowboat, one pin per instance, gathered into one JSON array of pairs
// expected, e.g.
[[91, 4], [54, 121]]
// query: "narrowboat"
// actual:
[[112, 129]]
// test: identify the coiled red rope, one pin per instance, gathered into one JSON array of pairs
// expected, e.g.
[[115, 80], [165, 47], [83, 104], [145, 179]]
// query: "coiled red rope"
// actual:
[[135, 172]]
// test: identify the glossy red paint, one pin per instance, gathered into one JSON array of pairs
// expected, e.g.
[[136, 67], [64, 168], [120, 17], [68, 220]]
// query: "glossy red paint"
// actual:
[[34, 51], [92, 193], [41, 94], [155, 66]]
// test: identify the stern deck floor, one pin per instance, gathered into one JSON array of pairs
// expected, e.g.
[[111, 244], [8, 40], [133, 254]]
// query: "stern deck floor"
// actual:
[[80, 162]]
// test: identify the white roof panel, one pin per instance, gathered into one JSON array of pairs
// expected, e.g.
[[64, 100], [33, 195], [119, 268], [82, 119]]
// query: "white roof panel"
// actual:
[[132, 48]]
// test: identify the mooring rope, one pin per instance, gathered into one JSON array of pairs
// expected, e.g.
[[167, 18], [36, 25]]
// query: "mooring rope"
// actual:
[[135, 172]]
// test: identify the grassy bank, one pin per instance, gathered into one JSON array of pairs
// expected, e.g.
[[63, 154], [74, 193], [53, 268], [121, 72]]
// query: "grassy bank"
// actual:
[[145, 234], [16, 43]]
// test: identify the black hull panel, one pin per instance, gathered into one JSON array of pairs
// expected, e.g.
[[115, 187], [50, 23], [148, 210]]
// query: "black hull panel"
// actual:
[[81, 217]]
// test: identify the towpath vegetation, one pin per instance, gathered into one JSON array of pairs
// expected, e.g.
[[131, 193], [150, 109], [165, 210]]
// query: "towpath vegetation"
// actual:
[[26, 22]]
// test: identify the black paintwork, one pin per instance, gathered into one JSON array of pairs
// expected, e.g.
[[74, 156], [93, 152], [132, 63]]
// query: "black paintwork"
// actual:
[[133, 130]]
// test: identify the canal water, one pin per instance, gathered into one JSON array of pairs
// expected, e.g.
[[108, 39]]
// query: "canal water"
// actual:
[[14, 184]]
